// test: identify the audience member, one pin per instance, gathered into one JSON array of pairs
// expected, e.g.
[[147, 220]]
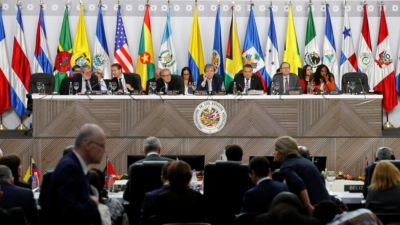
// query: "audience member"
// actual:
[[152, 150], [187, 78], [209, 81], [258, 198], [383, 153], [14, 196], [301, 175], [68, 149], [180, 204], [169, 82], [304, 152], [126, 82], [287, 81], [329, 213], [157, 75], [286, 208], [384, 191], [150, 198], [305, 77], [14, 216], [323, 79], [247, 79], [70, 198], [234, 153], [14, 163]]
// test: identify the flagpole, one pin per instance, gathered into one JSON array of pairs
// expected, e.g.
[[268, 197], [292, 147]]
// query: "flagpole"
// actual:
[[22, 125], [2, 127], [388, 125]]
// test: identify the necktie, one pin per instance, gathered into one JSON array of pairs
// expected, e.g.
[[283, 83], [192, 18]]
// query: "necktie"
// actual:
[[286, 84], [209, 85], [247, 83], [87, 85], [120, 84]]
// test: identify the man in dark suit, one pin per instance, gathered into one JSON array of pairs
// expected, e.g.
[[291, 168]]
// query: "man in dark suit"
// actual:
[[70, 200], [287, 81], [247, 80], [86, 81], [152, 151], [258, 198], [157, 75], [126, 82], [169, 82], [150, 198], [104, 83], [14, 196], [209, 81], [383, 153]]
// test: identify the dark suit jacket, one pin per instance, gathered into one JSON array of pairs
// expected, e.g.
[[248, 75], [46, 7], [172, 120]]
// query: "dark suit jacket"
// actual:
[[107, 81], [387, 201], [78, 78], [294, 82], [64, 86], [368, 176], [180, 206], [176, 83], [68, 199], [151, 157], [14, 196], [149, 202], [255, 84], [13, 216], [130, 78], [301, 174], [216, 83], [148, 84], [258, 199]]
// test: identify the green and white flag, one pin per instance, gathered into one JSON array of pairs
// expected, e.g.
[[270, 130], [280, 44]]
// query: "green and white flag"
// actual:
[[311, 53]]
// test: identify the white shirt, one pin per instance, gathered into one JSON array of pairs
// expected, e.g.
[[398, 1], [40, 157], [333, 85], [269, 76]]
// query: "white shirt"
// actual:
[[83, 164], [103, 85], [203, 84], [83, 89]]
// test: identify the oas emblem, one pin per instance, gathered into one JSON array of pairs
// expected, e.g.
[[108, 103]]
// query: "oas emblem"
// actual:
[[209, 117], [215, 60]]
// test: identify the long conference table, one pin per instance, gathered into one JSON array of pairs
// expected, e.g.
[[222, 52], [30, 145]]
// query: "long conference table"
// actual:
[[345, 128]]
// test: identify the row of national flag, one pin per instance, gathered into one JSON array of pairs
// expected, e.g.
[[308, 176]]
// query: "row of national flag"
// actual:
[[380, 69]]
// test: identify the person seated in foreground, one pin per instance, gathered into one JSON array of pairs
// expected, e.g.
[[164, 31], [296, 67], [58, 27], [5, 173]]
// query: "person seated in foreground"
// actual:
[[14, 163], [180, 204], [150, 198], [330, 213], [258, 198], [323, 79], [304, 152], [234, 153], [97, 183], [384, 191]]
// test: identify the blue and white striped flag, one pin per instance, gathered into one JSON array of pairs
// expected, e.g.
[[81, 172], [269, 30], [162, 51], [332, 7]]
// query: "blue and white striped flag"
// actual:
[[271, 52], [101, 57], [330, 58], [42, 62], [166, 58]]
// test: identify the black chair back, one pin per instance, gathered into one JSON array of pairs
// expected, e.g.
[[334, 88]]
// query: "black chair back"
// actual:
[[46, 78], [145, 177], [361, 80], [224, 186], [138, 79], [44, 191], [389, 218], [245, 218]]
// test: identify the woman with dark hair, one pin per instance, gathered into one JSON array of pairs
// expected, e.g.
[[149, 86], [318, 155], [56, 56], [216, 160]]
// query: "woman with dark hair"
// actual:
[[323, 79], [14, 163], [305, 77], [187, 78], [180, 204]]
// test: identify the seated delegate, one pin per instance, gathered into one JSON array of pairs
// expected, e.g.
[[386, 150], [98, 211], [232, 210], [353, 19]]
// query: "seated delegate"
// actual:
[[323, 79]]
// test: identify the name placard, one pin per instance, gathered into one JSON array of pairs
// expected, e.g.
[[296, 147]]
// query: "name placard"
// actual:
[[294, 92], [354, 188], [173, 92], [137, 92], [256, 92], [220, 93], [334, 92], [201, 93]]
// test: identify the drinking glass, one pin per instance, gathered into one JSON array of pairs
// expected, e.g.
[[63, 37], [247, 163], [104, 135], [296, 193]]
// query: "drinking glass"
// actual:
[[43, 89], [312, 86], [353, 86], [331, 177], [194, 86], [309, 90], [76, 86], [39, 86], [277, 87], [113, 86], [273, 92]]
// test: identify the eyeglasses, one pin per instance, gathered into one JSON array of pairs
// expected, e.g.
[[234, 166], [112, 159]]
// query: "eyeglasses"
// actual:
[[168, 75], [101, 145], [285, 68]]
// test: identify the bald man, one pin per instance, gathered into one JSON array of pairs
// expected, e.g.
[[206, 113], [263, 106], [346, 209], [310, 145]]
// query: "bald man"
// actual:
[[304, 152], [70, 198], [157, 75]]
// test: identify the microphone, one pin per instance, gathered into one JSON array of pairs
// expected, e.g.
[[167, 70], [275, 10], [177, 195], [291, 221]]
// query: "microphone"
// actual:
[[88, 92], [161, 92], [362, 88], [241, 87]]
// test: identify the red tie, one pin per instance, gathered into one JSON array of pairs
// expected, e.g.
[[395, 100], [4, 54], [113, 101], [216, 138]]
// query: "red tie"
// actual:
[[286, 85]]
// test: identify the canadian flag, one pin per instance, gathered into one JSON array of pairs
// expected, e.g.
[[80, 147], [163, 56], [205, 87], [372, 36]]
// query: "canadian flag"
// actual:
[[384, 78]]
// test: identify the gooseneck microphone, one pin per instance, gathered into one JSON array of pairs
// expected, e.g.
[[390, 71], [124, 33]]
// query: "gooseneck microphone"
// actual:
[[362, 87], [161, 92]]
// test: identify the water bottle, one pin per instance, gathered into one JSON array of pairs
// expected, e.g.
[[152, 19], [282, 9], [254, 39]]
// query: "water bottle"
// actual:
[[71, 90], [109, 90], [190, 89], [223, 87], [193, 181], [234, 88]]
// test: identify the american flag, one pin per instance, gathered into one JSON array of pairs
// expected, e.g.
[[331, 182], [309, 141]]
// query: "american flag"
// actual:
[[121, 52]]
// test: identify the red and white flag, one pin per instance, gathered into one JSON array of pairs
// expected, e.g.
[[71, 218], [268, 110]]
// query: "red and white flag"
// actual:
[[365, 57], [4, 71], [384, 79]]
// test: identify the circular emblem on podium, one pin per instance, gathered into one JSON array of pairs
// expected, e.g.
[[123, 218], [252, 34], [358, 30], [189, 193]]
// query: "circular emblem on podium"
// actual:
[[209, 117]]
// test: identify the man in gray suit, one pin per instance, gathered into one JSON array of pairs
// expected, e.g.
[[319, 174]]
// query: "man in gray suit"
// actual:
[[287, 81]]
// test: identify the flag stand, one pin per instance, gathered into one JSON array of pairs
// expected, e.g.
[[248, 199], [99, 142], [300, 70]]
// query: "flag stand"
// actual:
[[388, 125], [2, 127], [21, 126]]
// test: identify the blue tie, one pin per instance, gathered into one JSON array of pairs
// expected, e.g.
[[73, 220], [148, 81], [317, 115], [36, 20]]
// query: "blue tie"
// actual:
[[120, 84], [247, 83], [87, 85]]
